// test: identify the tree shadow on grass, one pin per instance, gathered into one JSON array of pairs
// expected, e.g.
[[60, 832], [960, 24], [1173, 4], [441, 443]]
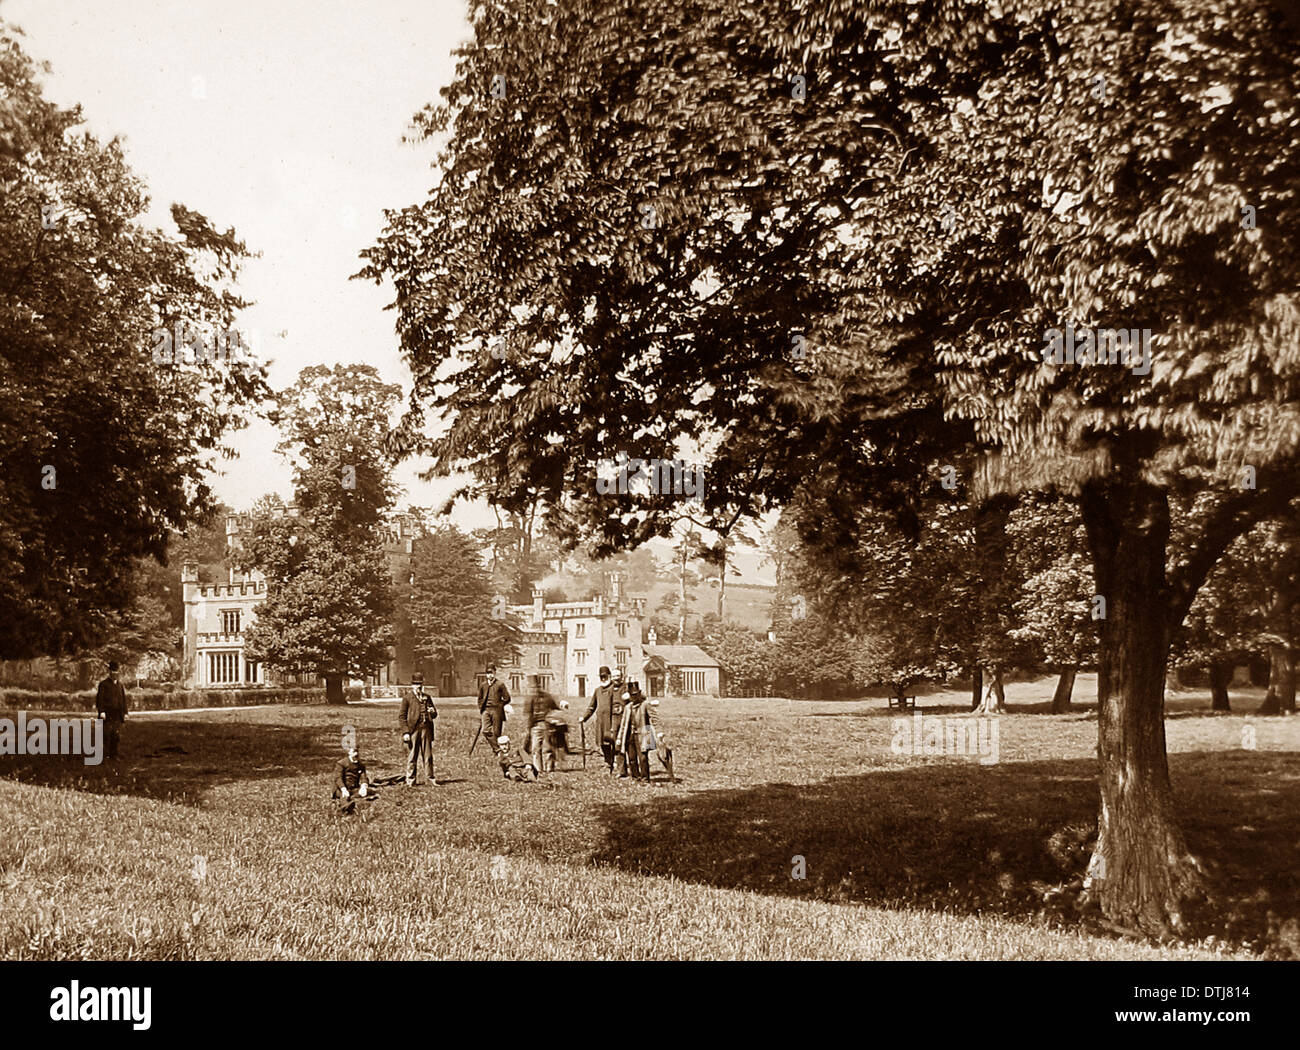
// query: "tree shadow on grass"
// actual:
[[179, 760], [1013, 839]]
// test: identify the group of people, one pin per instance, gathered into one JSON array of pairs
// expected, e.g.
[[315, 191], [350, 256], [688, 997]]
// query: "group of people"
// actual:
[[625, 732]]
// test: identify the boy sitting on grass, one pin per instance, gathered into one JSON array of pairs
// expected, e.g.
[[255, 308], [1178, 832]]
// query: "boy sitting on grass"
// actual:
[[352, 782]]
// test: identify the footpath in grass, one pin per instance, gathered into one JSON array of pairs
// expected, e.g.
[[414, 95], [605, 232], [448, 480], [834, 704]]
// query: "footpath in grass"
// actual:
[[214, 838]]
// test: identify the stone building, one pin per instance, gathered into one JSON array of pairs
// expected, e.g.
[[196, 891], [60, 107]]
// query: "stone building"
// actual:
[[567, 642], [693, 670], [216, 617]]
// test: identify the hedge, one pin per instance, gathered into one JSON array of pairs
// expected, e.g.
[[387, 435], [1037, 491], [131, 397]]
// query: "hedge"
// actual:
[[158, 700]]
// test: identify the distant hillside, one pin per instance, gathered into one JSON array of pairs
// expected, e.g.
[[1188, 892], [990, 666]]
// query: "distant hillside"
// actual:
[[747, 603]]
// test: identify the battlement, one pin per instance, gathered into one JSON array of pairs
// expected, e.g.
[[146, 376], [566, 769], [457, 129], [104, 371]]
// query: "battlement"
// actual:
[[233, 590]]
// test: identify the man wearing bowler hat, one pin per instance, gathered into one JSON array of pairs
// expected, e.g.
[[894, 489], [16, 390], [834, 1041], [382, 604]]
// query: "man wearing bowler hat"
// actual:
[[110, 703], [415, 720], [607, 705], [493, 706]]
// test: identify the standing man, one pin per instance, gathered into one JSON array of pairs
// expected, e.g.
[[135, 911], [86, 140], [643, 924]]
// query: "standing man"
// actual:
[[415, 720], [110, 703], [539, 704], [604, 699], [493, 706]]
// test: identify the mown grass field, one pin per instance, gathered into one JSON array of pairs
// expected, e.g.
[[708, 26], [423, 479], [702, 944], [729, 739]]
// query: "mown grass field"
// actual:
[[906, 856]]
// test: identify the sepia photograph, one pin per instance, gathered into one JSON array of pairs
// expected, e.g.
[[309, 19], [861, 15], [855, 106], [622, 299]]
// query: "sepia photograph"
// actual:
[[490, 483]]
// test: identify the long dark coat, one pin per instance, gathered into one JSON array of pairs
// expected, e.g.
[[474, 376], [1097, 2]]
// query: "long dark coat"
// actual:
[[607, 705]]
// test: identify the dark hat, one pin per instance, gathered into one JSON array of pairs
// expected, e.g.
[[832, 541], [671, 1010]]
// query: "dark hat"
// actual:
[[417, 678], [490, 667], [604, 671], [112, 665]]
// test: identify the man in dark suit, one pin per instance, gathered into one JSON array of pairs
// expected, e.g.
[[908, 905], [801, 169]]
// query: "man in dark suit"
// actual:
[[110, 703], [607, 705], [415, 720], [493, 706]]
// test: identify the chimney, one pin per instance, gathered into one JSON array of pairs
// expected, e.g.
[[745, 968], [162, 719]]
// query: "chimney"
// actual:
[[189, 572], [539, 606], [615, 584], [651, 637]]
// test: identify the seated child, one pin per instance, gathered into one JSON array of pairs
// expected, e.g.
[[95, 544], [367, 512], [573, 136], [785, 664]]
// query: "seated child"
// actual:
[[352, 782]]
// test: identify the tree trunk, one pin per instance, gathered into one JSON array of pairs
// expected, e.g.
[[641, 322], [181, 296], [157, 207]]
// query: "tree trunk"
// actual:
[[1220, 679], [1141, 872], [1280, 698], [1258, 671], [681, 598], [976, 688], [334, 689], [995, 698], [1064, 690]]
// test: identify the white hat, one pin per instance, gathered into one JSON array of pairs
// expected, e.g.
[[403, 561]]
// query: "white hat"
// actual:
[[503, 739]]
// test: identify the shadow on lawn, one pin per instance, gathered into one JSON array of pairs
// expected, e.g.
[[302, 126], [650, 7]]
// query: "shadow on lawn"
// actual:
[[972, 838], [178, 760]]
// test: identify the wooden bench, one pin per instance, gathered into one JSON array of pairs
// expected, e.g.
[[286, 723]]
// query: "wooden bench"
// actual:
[[902, 702]]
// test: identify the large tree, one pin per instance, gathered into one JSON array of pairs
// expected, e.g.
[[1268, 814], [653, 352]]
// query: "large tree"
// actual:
[[105, 447], [452, 606], [330, 600], [843, 234]]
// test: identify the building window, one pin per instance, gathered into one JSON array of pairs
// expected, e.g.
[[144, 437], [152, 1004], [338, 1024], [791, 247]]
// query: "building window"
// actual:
[[252, 671], [543, 659], [546, 681], [622, 628], [580, 630], [229, 621], [223, 667], [693, 681], [580, 657], [621, 657], [516, 682], [514, 660]]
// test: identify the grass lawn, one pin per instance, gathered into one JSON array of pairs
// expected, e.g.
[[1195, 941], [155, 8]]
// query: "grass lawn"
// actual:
[[907, 856]]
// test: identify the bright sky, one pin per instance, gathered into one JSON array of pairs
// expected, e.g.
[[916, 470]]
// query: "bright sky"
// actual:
[[282, 118]]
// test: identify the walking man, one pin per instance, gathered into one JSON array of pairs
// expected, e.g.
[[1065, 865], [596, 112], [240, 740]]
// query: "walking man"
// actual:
[[415, 720], [604, 700], [493, 701], [110, 703], [539, 704]]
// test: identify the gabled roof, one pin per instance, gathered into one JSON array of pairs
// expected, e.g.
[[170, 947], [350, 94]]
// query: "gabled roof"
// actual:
[[682, 655]]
